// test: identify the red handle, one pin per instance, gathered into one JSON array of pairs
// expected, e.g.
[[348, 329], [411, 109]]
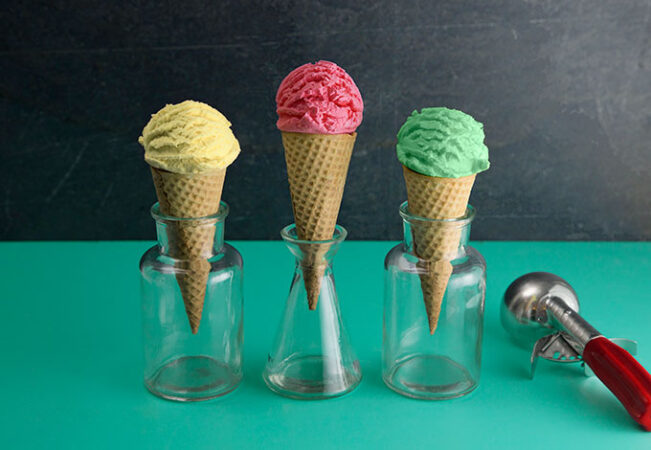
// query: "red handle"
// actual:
[[623, 375]]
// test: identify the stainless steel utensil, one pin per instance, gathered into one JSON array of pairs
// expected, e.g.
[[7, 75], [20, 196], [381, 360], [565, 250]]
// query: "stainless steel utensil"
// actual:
[[543, 308]]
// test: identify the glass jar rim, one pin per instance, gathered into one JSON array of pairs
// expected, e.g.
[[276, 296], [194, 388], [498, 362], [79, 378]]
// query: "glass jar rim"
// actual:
[[219, 216], [289, 234], [460, 221]]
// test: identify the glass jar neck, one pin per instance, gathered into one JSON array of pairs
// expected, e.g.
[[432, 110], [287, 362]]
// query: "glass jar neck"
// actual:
[[189, 238], [313, 252], [458, 229]]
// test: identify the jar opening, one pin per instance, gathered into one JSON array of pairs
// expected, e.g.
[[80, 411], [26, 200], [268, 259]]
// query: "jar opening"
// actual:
[[459, 221], [289, 234], [219, 216]]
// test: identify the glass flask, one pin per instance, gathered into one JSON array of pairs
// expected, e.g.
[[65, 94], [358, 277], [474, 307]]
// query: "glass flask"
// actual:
[[182, 363], [311, 357], [445, 364]]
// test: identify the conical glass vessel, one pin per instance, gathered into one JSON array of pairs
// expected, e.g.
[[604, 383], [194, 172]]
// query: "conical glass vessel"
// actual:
[[311, 357]]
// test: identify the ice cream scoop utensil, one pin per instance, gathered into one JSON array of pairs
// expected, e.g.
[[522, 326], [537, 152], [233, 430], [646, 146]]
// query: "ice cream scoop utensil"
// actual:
[[539, 301]]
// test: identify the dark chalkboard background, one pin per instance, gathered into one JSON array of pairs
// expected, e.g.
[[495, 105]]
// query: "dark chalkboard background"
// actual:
[[563, 88]]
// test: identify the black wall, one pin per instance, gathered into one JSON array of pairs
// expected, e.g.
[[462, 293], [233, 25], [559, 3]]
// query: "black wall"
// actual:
[[563, 88]]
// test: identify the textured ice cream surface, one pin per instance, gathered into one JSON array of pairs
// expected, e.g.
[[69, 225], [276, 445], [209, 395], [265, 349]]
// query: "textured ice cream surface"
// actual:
[[319, 98], [442, 142], [188, 138]]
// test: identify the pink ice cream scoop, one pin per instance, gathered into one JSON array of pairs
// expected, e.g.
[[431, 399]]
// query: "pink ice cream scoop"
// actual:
[[319, 98]]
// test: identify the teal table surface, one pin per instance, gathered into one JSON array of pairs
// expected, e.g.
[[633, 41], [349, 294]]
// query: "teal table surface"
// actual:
[[71, 369]]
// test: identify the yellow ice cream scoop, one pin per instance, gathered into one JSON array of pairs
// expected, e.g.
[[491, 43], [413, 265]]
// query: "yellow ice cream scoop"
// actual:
[[189, 138]]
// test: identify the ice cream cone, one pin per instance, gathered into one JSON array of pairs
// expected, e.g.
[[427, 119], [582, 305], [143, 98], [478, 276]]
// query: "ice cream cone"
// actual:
[[436, 243], [190, 196], [317, 165]]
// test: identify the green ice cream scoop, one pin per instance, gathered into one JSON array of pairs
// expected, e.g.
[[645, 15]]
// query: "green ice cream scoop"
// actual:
[[442, 142]]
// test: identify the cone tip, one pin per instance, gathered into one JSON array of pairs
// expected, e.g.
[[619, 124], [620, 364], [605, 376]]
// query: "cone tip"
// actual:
[[312, 301], [194, 323], [433, 321]]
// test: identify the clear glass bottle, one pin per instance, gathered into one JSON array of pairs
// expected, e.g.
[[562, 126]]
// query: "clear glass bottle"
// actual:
[[311, 357], [446, 364], [181, 365]]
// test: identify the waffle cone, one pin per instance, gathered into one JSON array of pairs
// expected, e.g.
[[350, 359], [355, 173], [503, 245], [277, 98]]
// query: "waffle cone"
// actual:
[[317, 165], [436, 243], [188, 196]]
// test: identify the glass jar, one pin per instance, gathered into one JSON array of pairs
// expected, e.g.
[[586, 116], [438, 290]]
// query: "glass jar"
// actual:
[[311, 356], [445, 364], [191, 352]]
